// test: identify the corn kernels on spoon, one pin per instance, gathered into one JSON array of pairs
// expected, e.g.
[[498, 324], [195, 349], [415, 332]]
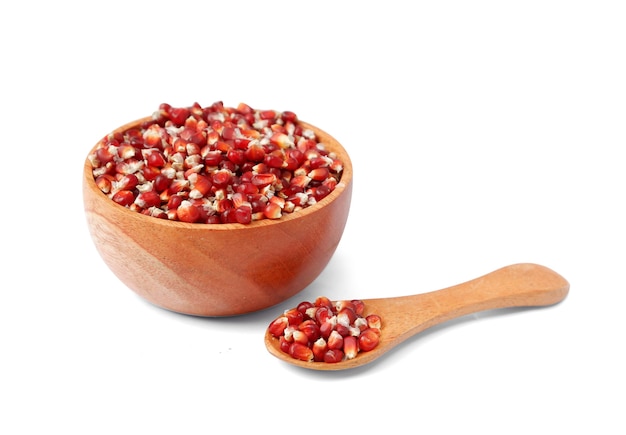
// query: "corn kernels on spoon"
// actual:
[[517, 285]]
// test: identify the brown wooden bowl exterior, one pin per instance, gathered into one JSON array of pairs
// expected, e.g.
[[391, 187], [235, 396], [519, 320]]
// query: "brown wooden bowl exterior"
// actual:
[[220, 269]]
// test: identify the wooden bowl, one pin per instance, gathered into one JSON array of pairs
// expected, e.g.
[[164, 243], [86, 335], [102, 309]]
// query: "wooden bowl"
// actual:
[[218, 269]]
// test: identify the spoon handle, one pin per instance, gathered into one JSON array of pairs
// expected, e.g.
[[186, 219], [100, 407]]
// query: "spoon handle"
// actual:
[[517, 285]]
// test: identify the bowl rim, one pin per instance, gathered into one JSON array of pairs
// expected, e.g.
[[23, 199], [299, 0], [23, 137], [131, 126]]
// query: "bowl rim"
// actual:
[[89, 184]]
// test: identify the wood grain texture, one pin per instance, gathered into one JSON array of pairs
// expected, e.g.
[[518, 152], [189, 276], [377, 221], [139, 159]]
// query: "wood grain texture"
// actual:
[[218, 270], [517, 285]]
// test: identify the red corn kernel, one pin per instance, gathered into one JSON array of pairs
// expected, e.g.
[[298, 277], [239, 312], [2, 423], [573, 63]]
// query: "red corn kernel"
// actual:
[[300, 337], [294, 316], [330, 183], [244, 108], [124, 197], [155, 159], [346, 316], [301, 181], [106, 154], [174, 202], [237, 156], [290, 163], [278, 201], [359, 306], [284, 344], [361, 324], [336, 166], [340, 305], [282, 140], [333, 356], [228, 133], [303, 307], [192, 135], [243, 214], [301, 352], [323, 301], [350, 347], [193, 149], [278, 128], [187, 212], [323, 314], [272, 211], [148, 199], [161, 183], [264, 179], [150, 173], [156, 212], [213, 158], [200, 185], [129, 166], [227, 165], [319, 174], [275, 159], [321, 192], [152, 135], [317, 162], [319, 349], [104, 183], [344, 330], [335, 340], [228, 216], [326, 329], [178, 186], [311, 329], [247, 188], [126, 151], [267, 114], [373, 321], [277, 327], [368, 340], [178, 115], [221, 178], [127, 182], [255, 153], [289, 116]]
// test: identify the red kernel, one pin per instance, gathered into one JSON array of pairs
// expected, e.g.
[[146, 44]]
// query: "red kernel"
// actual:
[[124, 197], [368, 340], [333, 356], [301, 352]]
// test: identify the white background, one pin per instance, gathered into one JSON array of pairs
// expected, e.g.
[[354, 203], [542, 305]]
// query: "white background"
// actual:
[[482, 133]]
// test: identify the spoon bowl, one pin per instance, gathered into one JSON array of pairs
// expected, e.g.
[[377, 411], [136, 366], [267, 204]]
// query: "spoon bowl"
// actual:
[[517, 285]]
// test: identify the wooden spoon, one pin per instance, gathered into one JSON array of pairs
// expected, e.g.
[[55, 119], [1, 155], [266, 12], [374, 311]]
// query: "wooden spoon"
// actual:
[[517, 285]]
